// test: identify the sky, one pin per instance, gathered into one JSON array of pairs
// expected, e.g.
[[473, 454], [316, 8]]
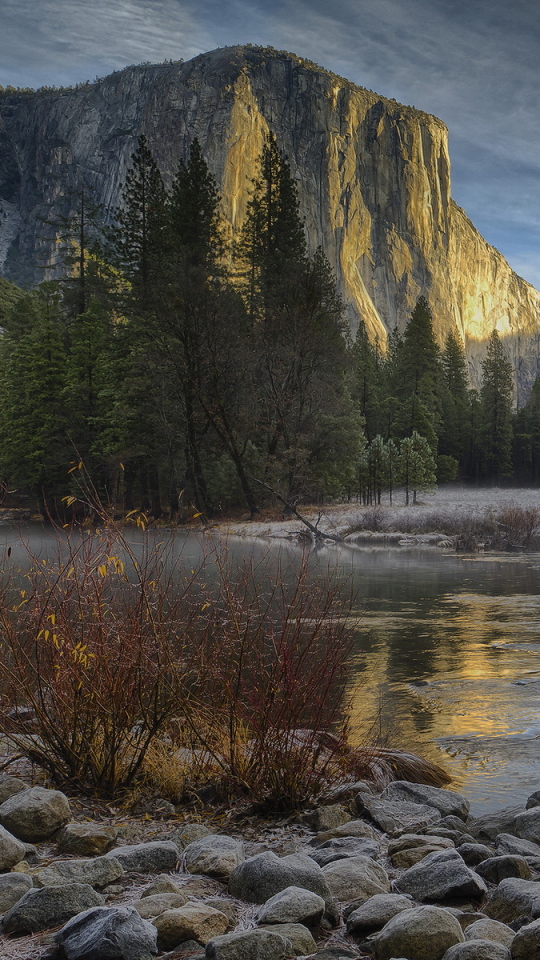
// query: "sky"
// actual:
[[473, 63]]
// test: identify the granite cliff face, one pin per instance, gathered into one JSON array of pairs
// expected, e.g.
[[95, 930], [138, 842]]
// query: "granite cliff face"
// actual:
[[373, 176]]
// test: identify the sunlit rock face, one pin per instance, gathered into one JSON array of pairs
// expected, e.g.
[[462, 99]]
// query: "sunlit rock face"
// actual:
[[373, 177]]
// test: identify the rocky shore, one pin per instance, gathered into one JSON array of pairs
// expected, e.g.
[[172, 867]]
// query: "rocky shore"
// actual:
[[402, 875]]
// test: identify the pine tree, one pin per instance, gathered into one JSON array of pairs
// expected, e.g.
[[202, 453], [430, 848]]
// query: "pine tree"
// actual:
[[527, 437], [454, 435], [496, 411], [416, 465], [366, 382], [417, 376]]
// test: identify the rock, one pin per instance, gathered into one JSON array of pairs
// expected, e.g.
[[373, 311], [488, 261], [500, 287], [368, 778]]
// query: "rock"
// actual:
[[392, 815], [409, 849], [507, 843], [13, 886], [342, 847], [478, 950], [423, 933], [448, 803], [526, 943], [301, 939], [533, 800], [441, 876], [259, 878], [249, 945], [147, 857], [356, 877], [9, 786], [449, 823], [376, 912], [496, 869], [293, 905], [31, 854], [214, 856], [187, 834], [486, 929], [458, 837], [149, 907], [86, 839], [474, 853], [98, 872], [513, 898], [163, 884], [108, 933], [194, 921], [327, 818], [354, 828], [49, 907], [488, 827], [527, 825], [337, 952], [35, 814], [224, 906], [12, 851]]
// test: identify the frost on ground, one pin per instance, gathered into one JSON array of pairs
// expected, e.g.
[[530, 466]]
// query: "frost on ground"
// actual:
[[448, 510]]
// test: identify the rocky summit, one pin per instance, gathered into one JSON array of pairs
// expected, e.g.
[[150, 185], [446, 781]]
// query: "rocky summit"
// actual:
[[373, 177], [172, 891]]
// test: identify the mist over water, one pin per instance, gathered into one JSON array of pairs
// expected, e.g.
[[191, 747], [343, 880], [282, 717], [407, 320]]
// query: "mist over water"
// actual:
[[446, 657]]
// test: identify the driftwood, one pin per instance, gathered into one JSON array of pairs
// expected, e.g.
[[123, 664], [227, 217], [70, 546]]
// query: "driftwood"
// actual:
[[313, 528]]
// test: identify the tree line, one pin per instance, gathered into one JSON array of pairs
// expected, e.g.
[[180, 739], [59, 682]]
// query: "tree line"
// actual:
[[190, 374]]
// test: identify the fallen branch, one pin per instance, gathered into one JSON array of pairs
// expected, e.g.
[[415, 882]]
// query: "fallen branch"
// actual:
[[318, 534]]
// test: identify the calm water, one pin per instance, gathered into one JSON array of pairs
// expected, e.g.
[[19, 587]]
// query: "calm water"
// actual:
[[447, 653]]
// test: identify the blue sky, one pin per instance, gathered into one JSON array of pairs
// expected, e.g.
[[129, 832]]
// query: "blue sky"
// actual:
[[474, 64]]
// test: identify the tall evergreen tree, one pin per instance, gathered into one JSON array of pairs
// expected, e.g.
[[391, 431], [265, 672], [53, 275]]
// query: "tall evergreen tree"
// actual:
[[417, 377], [454, 436], [496, 411]]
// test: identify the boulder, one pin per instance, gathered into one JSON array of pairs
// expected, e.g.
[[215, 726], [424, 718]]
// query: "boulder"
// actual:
[[356, 877], [486, 929], [249, 945], [423, 933], [478, 950], [441, 876], [496, 869], [147, 857], [409, 849], [393, 815], [99, 872], [489, 826], [9, 786], [13, 886], [474, 853], [188, 833], [259, 878], [354, 828], [376, 912], [507, 843], [513, 898], [337, 951], [328, 817], [163, 884], [214, 856], [35, 814], [526, 943], [342, 847], [527, 825], [108, 933], [194, 921], [293, 905], [301, 939], [533, 800], [86, 839], [150, 907], [49, 907], [448, 803], [12, 851]]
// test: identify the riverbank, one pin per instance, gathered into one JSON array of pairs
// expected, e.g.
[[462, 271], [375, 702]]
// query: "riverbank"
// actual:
[[405, 872]]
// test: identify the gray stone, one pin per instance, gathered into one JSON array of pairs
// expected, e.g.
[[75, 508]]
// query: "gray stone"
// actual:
[[214, 856], [343, 847], [533, 800], [259, 878], [188, 833], [49, 907], [486, 929], [227, 907], [86, 839], [496, 869], [147, 857], [13, 886], [450, 823], [356, 877], [527, 825], [474, 853], [526, 943], [162, 884], [448, 803], [376, 912], [193, 921], [478, 950], [423, 933], [108, 933], [489, 826], [149, 907], [301, 939], [293, 905], [98, 872], [12, 851], [328, 817], [336, 952], [35, 814], [409, 849], [441, 876], [354, 828], [513, 898], [249, 945], [393, 815], [507, 843], [9, 786]]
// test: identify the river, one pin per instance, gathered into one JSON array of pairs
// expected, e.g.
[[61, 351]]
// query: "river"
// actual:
[[447, 652]]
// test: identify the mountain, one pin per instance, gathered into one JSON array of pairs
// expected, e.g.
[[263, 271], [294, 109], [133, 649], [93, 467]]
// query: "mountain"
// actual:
[[373, 177]]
